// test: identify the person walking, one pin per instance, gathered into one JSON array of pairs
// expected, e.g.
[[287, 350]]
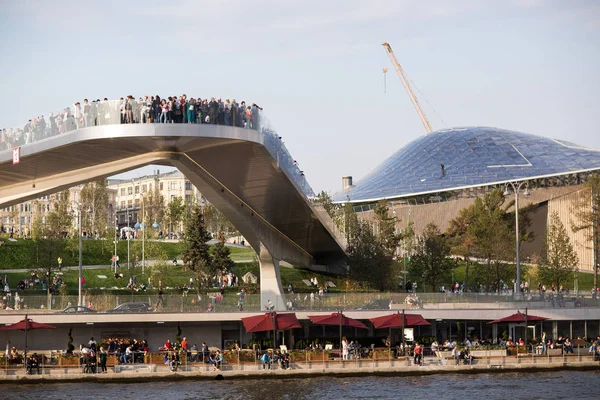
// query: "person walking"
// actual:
[[418, 353], [103, 357], [160, 300]]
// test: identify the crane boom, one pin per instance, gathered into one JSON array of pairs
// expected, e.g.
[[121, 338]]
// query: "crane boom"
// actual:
[[412, 96]]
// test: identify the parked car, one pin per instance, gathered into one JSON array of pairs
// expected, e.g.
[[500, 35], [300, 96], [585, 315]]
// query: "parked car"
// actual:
[[378, 304], [131, 308], [76, 310]]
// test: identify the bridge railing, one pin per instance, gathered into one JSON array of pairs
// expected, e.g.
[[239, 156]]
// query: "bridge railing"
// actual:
[[110, 112], [190, 301]]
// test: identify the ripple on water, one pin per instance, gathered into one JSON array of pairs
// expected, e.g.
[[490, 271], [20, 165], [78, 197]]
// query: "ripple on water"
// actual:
[[562, 384]]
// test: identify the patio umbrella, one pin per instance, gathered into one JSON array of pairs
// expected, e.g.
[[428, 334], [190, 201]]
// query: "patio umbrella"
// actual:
[[519, 317], [25, 325], [271, 321], [399, 320], [337, 318]]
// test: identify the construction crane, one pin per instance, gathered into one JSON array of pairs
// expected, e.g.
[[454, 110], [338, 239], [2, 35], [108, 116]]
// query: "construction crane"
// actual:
[[412, 96]]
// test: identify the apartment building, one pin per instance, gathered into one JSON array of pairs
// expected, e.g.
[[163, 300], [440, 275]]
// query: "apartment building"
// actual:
[[129, 194]]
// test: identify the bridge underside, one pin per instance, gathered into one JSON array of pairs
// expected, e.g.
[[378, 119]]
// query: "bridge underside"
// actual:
[[230, 166]]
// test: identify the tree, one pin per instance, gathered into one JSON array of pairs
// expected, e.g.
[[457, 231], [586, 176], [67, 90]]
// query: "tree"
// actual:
[[197, 253], [174, 213], [368, 259], [558, 260], [587, 218], [486, 230], [154, 204], [221, 257], [60, 219], [94, 197], [215, 220], [386, 234], [409, 236], [431, 261]]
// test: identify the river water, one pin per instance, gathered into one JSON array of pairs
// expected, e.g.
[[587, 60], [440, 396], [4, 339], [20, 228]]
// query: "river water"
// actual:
[[546, 385]]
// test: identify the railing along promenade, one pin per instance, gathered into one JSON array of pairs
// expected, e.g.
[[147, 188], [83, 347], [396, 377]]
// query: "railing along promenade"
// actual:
[[111, 112], [366, 360], [191, 302]]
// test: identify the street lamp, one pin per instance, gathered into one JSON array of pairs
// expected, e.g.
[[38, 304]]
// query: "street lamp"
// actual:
[[516, 187], [116, 239], [76, 206]]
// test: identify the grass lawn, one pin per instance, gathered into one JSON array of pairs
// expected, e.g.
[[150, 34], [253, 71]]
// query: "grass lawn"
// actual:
[[171, 277], [585, 279]]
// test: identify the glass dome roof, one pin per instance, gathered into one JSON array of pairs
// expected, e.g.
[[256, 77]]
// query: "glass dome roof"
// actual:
[[469, 157]]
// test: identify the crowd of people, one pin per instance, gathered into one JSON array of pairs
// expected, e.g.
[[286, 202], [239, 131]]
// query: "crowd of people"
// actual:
[[128, 110]]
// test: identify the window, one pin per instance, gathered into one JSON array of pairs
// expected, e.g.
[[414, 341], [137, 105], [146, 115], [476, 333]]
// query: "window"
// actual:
[[137, 189], [122, 191], [137, 203], [21, 207], [123, 204], [145, 188], [188, 185], [188, 198], [150, 187], [161, 186], [129, 203], [173, 185], [22, 220], [130, 190], [172, 197]]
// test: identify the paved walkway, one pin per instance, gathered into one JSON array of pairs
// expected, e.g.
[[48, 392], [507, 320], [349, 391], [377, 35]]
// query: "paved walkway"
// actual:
[[301, 370], [149, 263]]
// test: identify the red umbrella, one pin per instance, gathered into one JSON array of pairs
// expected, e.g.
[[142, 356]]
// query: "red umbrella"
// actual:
[[25, 325], [337, 319], [398, 320], [518, 317], [270, 322]]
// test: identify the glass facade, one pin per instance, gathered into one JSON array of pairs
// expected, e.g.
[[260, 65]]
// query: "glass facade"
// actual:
[[469, 157]]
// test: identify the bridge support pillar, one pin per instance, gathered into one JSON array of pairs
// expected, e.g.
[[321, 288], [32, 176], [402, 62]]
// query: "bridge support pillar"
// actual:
[[270, 281]]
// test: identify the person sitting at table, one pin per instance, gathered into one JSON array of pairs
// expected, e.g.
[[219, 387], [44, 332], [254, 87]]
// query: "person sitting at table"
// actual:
[[266, 361], [32, 363], [568, 346], [174, 363], [521, 342], [467, 357]]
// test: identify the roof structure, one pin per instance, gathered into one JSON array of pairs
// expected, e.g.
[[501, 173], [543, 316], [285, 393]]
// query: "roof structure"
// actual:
[[466, 157]]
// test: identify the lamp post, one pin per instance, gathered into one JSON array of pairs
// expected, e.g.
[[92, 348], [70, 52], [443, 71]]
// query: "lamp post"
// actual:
[[128, 237], [116, 239], [143, 233], [77, 208], [517, 186]]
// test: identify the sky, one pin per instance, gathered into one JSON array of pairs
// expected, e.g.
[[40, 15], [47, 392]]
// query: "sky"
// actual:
[[315, 66]]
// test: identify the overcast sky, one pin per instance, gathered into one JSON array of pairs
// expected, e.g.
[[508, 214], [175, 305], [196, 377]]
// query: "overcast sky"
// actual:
[[316, 66]]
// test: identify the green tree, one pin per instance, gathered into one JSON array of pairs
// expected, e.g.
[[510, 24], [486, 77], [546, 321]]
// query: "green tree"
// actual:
[[174, 213], [386, 234], [215, 220], [586, 212], [368, 259], [221, 257], [197, 253], [60, 219], [44, 260], [558, 260], [409, 238], [94, 199], [154, 204], [431, 262], [486, 230], [325, 200]]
